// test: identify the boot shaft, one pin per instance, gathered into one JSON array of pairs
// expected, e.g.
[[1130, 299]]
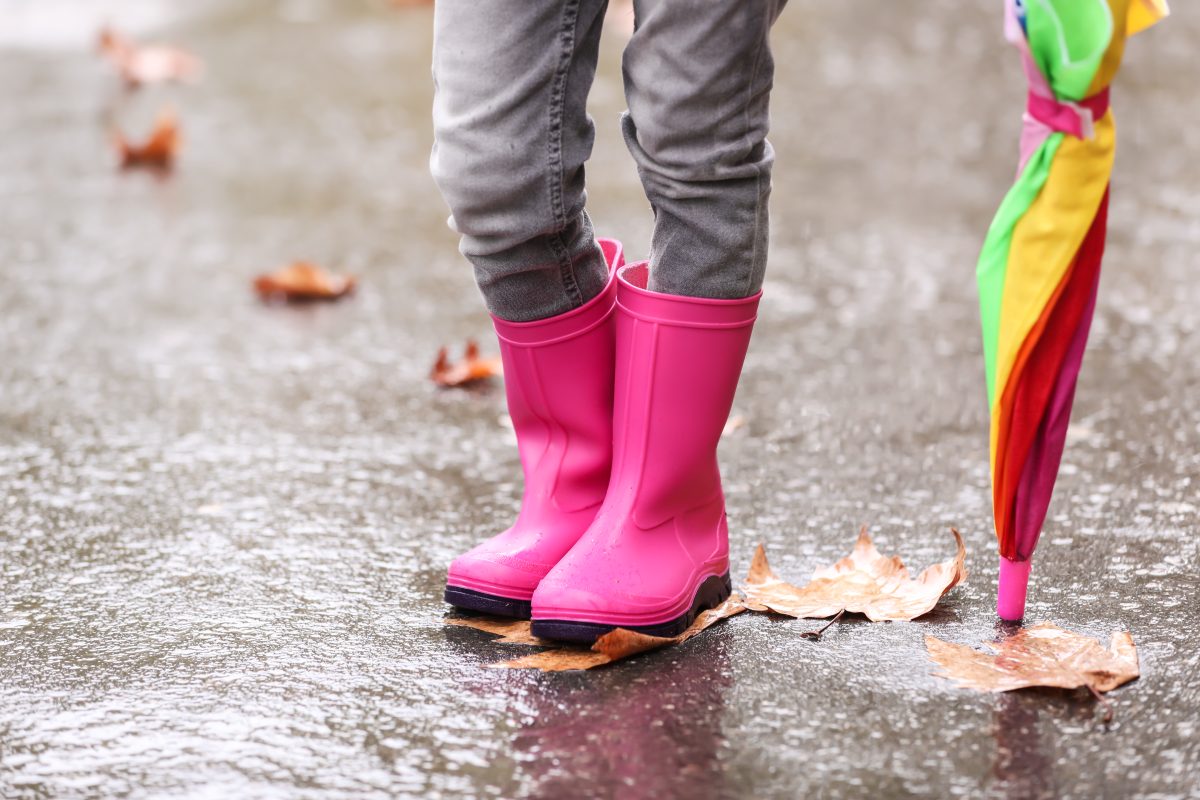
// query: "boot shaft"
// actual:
[[678, 364], [558, 380]]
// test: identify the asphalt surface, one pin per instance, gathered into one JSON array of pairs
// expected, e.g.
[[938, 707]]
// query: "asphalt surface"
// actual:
[[224, 526]]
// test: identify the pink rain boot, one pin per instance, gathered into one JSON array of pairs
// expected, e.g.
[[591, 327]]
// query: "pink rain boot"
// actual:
[[658, 552], [558, 376]]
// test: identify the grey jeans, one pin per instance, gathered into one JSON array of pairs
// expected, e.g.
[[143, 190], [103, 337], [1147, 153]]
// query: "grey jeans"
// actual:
[[512, 133]]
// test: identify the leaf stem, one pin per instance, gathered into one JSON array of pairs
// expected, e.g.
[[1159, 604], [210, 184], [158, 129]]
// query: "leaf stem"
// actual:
[[816, 635], [1104, 702]]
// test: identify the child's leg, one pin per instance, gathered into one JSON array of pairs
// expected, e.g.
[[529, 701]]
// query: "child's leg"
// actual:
[[698, 77], [698, 73], [511, 135]]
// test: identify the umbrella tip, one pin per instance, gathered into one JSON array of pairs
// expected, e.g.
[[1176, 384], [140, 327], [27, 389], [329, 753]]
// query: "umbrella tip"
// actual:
[[1010, 593]]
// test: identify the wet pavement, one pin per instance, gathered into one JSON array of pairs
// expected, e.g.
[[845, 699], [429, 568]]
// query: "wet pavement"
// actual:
[[223, 526]]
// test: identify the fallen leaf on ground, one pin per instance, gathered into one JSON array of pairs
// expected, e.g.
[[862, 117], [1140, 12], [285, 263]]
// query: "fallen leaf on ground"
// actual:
[[155, 63], [1041, 655], [157, 151], [510, 631], [615, 645], [302, 281], [470, 369], [864, 582]]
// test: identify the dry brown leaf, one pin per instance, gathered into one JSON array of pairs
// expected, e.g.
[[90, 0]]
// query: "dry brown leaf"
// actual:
[[510, 631], [618, 644], [864, 582], [138, 64], [1042, 655], [302, 281], [157, 151], [558, 660], [471, 369]]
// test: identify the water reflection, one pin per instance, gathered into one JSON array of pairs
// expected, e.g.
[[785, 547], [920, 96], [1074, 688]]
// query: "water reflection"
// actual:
[[651, 728], [1021, 768]]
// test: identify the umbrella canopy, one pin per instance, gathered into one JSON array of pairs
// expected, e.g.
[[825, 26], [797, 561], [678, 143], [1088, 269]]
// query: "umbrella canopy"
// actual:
[[1040, 263]]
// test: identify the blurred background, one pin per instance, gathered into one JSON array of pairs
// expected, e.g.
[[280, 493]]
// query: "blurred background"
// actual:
[[224, 524]]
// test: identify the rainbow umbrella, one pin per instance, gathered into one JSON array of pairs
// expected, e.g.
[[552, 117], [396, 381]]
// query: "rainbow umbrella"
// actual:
[[1040, 264]]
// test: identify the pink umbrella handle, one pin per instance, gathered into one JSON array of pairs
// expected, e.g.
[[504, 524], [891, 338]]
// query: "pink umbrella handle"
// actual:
[[1010, 594]]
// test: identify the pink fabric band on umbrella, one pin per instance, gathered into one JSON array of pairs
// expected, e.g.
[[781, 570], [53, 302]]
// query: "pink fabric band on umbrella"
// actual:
[[1076, 119]]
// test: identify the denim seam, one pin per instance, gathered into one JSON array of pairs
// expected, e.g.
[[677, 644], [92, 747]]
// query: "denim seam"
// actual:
[[557, 243], [758, 204]]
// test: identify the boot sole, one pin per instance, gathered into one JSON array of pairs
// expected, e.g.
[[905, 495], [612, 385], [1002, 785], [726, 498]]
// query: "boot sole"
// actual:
[[714, 591], [485, 603]]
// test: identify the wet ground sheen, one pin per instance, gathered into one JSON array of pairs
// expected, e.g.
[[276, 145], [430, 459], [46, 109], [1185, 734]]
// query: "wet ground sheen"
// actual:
[[224, 526]]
